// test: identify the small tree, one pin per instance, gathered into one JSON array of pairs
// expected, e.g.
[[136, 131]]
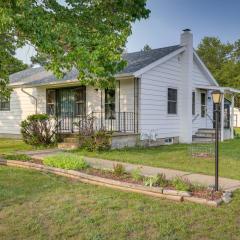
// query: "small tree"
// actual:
[[39, 129], [146, 48]]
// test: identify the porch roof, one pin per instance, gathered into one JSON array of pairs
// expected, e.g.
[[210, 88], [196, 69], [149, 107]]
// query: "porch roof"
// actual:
[[222, 89]]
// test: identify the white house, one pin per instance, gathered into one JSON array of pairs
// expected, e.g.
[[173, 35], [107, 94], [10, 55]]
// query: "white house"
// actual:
[[163, 96]]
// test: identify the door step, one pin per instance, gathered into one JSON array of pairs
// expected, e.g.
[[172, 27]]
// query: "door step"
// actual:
[[68, 146], [204, 135], [70, 142]]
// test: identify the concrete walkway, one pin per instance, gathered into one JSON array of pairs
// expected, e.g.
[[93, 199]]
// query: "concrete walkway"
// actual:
[[225, 183]]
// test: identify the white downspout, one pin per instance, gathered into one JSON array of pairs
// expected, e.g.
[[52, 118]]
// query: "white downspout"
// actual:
[[34, 98]]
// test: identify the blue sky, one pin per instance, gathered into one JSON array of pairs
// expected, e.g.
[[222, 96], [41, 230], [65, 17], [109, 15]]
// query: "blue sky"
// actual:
[[219, 18]]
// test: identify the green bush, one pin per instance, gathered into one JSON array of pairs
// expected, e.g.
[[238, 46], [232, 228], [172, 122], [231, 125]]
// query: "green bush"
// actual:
[[157, 181], [118, 169], [66, 161], [39, 129], [136, 174], [20, 157], [97, 141], [181, 184]]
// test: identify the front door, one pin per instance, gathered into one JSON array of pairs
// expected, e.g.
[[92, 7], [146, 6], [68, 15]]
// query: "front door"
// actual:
[[203, 109], [68, 105]]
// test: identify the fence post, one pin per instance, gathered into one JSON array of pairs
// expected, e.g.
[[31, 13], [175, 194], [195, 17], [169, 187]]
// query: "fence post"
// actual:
[[119, 123], [72, 122], [111, 120], [124, 121]]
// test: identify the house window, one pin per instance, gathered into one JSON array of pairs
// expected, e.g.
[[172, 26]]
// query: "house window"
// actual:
[[168, 140], [80, 101], [4, 103], [110, 104], [203, 105], [172, 101], [51, 102], [193, 103]]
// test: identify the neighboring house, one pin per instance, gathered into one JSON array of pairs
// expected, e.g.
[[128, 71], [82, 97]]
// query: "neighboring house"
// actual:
[[163, 95], [236, 121]]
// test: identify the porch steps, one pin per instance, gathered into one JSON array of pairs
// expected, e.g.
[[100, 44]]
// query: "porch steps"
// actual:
[[204, 135], [70, 142]]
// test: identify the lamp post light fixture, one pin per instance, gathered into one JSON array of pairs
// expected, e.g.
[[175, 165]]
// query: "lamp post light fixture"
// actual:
[[217, 99]]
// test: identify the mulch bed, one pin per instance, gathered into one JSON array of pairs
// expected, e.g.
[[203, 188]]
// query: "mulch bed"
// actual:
[[198, 192]]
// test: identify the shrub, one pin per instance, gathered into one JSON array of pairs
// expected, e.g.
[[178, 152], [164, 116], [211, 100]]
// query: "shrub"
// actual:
[[97, 141], [39, 129], [160, 180], [149, 181], [157, 181], [66, 161], [21, 157], [118, 169], [136, 174], [181, 184]]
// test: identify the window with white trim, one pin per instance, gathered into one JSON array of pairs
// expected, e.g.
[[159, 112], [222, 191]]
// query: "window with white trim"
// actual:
[[193, 103], [172, 101], [4, 103]]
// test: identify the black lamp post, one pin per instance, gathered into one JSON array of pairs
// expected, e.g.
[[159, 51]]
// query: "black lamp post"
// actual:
[[217, 99]]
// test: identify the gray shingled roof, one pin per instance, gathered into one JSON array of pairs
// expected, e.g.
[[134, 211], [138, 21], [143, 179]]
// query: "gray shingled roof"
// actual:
[[136, 61], [139, 60]]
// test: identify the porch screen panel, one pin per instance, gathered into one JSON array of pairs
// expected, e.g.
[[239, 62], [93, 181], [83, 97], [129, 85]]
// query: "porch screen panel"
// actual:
[[51, 102], [80, 101], [203, 105], [110, 104]]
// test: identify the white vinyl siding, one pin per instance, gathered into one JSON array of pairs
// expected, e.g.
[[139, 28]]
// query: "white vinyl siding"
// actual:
[[155, 122], [21, 105], [199, 78]]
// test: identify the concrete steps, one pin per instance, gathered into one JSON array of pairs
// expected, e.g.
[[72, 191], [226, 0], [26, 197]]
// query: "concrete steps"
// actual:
[[204, 135], [70, 142]]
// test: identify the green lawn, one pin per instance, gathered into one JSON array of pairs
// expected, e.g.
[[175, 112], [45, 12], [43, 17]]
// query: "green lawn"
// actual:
[[35, 205], [173, 156], [178, 157], [8, 146]]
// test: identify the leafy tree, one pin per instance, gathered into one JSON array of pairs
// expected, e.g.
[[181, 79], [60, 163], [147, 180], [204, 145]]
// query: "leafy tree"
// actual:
[[146, 48], [89, 35], [223, 61], [8, 62]]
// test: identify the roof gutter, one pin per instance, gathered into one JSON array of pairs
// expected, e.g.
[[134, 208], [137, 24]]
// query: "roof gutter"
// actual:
[[34, 98]]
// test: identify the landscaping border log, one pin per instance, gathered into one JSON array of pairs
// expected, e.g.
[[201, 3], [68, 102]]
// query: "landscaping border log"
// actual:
[[91, 179]]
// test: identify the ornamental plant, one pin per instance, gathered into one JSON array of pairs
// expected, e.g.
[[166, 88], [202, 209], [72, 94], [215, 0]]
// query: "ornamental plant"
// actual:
[[66, 161], [39, 129]]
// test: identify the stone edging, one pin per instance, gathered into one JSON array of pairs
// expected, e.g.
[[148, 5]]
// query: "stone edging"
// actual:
[[130, 187]]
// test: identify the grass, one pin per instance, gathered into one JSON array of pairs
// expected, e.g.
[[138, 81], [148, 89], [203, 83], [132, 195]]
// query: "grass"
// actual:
[[9, 146], [35, 205], [65, 161], [178, 157], [21, 157]]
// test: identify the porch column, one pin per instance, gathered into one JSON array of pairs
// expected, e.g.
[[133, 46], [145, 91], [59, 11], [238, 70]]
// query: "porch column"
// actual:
[[222, 119], [232, 117]]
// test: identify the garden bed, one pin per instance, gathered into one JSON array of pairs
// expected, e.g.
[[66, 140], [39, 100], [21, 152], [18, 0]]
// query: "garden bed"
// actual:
[[156, 186]]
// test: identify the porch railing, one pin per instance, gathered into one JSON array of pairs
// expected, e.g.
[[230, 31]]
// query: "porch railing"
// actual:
[[115, 122]]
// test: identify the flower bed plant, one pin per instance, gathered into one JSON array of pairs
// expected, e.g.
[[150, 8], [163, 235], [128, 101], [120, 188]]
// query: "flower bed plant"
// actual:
[[156, 184], [65, 161]]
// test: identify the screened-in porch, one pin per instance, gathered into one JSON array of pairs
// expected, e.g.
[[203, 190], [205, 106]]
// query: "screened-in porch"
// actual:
[[78, 107]]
